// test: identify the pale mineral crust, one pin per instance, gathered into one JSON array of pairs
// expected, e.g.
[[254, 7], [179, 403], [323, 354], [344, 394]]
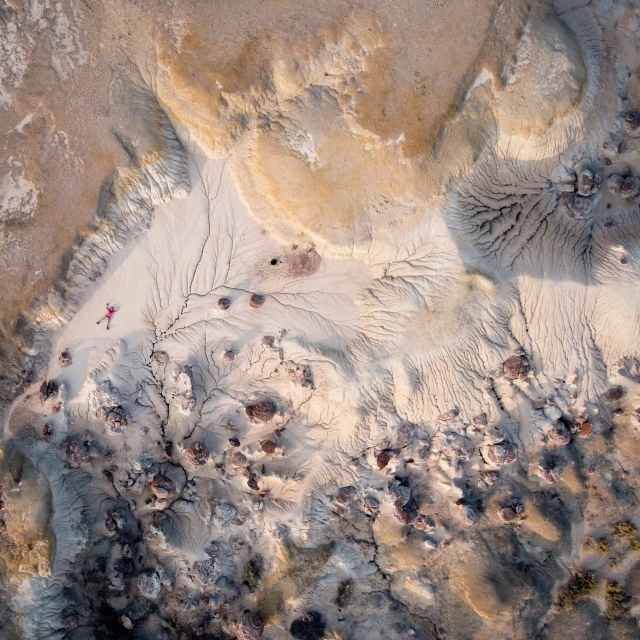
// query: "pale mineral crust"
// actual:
[[320, 320]]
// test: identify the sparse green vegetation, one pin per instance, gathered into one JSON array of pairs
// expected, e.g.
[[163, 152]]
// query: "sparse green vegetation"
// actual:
[[615, 561], [624, 530], [603, 546], [580, 585], [345, 590], [617, 601], [252, 573], [635, 544]]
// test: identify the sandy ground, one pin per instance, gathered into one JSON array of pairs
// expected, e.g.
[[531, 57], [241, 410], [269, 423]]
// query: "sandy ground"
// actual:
[[373, 365]]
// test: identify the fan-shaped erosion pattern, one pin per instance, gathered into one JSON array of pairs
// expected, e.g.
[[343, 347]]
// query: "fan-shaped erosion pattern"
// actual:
[[372, 366]]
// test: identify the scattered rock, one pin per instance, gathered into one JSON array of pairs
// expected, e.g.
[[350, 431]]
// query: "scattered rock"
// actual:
[[228, 356], [47, 432], [197, 454], [507, 514], [268, 447], [301, 374], [48, 389], [256, 300], [468, 515], [588, 184], [614, 182], [76, 452], [630, 187], [559, 434], [550, 474], [424, 523], [345, 494], [576, 207], [614, 146], [382, 460], [487, 479], [480, 420], [238, 461], [262, 411], [185, 401], [116, 418], [249, 627], [370, 505], [182, 395], [161, 357], [586, 429], [150, 584], [631, 123], [406, 514], [162, 486], [502, 453], [224, 304], [206, 572], [65, 359], [126, 622], [613, 394], [116, 580], [234, 442], [516, 366], [452, 414]]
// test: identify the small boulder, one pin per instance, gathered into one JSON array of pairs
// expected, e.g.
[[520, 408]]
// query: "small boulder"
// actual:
[[249, 627], [614, 146], [383, 458], [262, 411], [257, 300], [149, 584], [587, 183], [268, 447], [197, 454], [586, 429], [224, 304], [559, 434], [631, 123], [161, 357], [468, 515], [630, 187], [614, 182], [516, 366], [47, 432], [162, 486], [502, 453], [507, 514], [576, 206], [76, 452], [345, 494], [65, 359], [228, 356], [116, 418], [48, 389], [487, 479], [238, 461], [613, 394]]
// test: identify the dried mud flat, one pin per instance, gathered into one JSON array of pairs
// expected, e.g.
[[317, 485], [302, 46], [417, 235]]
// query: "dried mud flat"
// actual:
[[374, 365]]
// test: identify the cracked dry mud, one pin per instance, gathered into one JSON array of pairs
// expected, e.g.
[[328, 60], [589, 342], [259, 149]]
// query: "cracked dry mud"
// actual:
[[374, 366]]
